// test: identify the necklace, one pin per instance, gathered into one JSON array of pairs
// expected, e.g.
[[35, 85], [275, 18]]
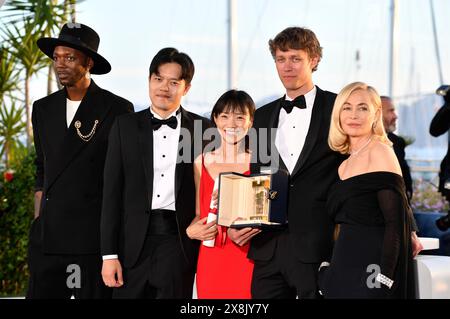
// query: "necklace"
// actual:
[[362, 147]]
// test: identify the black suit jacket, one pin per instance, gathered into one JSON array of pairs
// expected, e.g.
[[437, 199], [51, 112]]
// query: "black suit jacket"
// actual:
[[70, 171], [440, 124], [310, 228], [399, 145], [127, 197]]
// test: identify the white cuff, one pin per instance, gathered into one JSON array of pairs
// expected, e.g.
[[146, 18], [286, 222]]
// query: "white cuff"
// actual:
[[324, 264], [384, 280], [107, 257]]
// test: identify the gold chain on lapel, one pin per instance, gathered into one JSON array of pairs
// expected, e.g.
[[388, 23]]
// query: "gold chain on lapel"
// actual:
[[85, 138]]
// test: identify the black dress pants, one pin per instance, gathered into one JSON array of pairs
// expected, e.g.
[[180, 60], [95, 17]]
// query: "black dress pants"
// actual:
[[55, 276], [162, 271], [284, 276]]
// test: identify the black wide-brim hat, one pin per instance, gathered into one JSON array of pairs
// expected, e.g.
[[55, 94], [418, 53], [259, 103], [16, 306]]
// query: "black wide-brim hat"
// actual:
[[80, 37]]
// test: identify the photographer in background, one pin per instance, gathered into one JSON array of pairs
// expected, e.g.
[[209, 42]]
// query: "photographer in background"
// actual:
[[398, 143], [440, 124]]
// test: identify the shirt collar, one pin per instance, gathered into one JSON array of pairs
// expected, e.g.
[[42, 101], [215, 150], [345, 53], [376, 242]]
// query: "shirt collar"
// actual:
[[175, 113], [309, 97]]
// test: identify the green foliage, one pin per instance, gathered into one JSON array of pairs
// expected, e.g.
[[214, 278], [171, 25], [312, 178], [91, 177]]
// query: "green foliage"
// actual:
[[12, 126], [9, 75], [21, 43], [16, 214]]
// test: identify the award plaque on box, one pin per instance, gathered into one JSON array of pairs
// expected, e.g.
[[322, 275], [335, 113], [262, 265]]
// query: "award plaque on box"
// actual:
[[257, 200]]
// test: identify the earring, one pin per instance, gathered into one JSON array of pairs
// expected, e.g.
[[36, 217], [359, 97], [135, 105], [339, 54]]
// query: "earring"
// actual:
[[87, 75]]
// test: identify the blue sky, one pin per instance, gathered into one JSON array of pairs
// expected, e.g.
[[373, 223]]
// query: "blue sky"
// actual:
[[133, 31]]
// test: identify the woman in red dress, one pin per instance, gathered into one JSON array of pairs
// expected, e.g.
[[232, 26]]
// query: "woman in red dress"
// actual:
[[223, 270]]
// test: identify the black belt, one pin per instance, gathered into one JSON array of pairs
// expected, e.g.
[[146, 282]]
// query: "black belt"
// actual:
[[162, 222]]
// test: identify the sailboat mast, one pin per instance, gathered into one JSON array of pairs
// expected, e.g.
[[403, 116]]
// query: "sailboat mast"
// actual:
[[436, 44], [393, 47], [232, 45]]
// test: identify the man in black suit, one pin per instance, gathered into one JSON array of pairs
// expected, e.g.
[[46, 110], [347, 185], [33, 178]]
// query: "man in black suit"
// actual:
[[287, 261], [440, 124], [399, 144], [71, 129], [149, 194]]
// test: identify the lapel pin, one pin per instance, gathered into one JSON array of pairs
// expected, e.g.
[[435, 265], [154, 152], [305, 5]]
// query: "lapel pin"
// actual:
[[85, 138]]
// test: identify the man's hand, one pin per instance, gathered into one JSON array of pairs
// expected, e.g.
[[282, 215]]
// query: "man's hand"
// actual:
[[242, 236], [415, 244], [37, 203], [112, 273]]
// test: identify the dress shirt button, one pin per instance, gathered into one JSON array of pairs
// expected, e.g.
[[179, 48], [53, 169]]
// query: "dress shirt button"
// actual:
[[162, 175], [165, 136], [157, 195], [164, 155], [292, 185]]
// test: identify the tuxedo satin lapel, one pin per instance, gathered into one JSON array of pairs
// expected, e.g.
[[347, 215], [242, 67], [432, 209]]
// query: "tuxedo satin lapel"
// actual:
[[273, 124], [187, 122], [92, 107], [145, 132], [314, 127]]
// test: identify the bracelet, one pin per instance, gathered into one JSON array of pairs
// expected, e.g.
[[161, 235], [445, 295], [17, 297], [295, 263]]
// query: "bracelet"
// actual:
[[384, 280]]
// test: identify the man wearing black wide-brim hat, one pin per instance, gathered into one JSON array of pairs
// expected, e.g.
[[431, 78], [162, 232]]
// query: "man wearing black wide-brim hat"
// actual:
[[71, 128]]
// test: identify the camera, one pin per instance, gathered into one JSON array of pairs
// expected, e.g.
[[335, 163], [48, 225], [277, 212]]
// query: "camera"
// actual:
[[443, 89], [443, 223]]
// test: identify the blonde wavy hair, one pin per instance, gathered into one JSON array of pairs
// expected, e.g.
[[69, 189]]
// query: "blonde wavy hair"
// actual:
[[338, 140]]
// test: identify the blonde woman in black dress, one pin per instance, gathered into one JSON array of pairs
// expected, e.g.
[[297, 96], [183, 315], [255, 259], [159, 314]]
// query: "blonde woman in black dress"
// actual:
[[372, 256]]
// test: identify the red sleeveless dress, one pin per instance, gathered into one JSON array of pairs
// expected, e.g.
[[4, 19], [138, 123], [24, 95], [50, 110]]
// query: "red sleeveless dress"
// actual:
[[223, 271]]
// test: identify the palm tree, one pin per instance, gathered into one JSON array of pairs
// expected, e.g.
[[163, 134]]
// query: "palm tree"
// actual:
[[26, 21], [48, 15], [9, 75], [70, 9], [12, 127], [22, 45]]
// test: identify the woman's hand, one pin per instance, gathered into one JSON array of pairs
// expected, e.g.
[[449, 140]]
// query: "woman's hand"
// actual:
[[201, 231]]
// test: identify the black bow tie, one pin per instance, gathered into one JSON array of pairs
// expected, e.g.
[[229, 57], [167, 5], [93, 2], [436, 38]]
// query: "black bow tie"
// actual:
[[299, 102], [171, 122]]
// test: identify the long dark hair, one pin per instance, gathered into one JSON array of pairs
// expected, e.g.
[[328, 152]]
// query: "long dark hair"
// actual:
[[235, 101]]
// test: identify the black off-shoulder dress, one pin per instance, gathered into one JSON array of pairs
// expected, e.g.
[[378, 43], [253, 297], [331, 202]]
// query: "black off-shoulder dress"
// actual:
[[375, 236]]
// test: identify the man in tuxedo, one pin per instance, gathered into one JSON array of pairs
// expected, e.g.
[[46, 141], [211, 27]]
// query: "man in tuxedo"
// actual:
[[71, 128], [287, 261], [149, 193], [390, 125]]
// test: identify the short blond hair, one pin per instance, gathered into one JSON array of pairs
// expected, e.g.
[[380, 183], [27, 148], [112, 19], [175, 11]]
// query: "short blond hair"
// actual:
[[338, 140]]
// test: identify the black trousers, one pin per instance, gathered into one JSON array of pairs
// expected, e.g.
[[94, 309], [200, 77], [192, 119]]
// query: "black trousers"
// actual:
[[162, 271], [283, 276], [61, 276]]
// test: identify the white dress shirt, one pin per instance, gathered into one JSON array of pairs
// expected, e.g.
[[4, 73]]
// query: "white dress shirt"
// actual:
[[165, 150], [292, 130], [71, 109]]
